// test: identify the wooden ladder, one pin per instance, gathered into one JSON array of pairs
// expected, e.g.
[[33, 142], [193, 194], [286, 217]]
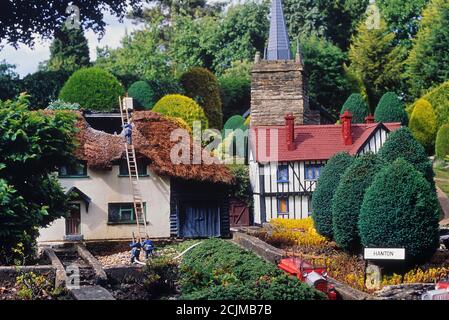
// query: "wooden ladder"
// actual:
[[131, 161]]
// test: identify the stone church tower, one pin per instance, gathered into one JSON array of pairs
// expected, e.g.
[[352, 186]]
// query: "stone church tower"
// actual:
[[278, 84]]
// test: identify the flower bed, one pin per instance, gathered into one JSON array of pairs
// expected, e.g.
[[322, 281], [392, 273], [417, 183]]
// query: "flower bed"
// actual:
[[299, 238]]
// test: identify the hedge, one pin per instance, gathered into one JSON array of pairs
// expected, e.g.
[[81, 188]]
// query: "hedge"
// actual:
[[202, 86], [401, 144], [179, 106], [324, 192], [217, 269], [93, 89], [348, 199], [357, 106], [391, 109], [142, 94], [235, 95], [442, 142], [423, 125], [400, 210]]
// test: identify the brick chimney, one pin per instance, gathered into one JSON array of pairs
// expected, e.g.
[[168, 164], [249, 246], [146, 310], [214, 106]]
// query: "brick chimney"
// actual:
[[369, 119], [290, 131], [345, 120]]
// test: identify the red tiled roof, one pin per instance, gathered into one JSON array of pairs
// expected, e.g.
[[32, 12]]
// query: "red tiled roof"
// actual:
[[312, 142]]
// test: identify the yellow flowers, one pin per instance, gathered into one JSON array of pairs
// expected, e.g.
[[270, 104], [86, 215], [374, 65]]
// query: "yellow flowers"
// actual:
[[416, 275], [299, 232]]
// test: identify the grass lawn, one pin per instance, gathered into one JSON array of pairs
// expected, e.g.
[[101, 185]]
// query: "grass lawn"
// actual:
[[440, 176]]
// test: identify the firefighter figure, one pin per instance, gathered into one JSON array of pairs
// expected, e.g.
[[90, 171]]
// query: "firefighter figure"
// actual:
[[135, 251], [148, 247]]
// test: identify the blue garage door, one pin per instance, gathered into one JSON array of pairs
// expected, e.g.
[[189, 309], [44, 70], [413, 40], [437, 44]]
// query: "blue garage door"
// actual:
[[200, 222]]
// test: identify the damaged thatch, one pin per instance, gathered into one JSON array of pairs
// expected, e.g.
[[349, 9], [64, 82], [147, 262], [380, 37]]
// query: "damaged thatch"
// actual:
[[151, 138]]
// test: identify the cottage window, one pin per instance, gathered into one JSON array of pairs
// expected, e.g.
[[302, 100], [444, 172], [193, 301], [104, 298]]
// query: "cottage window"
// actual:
[[282, 205], [78, 169], [312, 171], [282, 173], [122, 213], [141, 168]]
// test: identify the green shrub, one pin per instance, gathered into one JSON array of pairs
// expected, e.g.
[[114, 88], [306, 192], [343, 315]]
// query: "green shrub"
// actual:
[[324, 192], [142, 94], [401, 144], [400, 210], [423, 125], [357, 106], [161, 276], [241, 189], [43, 87], [439, 99], [235, 122], [218, 269], [179, 106], [391, 109], [442, 142], [348, 199], [235, 94], [93, 88], [202, 86]]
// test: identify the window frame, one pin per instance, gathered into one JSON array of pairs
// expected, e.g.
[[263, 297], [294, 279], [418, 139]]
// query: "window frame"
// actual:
[[122, 208], [316, 171], [141, 163], [278, 171], [73, 174], [279, 199]]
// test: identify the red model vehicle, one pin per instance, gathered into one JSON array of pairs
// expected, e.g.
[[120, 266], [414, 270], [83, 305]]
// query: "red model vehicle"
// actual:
[[315, 277], [442, 284]]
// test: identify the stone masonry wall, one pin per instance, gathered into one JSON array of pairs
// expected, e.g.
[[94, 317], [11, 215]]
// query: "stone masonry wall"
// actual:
[[278, 88]]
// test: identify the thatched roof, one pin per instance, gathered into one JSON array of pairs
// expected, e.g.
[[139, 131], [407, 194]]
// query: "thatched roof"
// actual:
[[151, 138]]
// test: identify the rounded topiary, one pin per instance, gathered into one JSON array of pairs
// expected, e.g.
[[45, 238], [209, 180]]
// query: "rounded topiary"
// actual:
[[401, 144], [391, 109], [357, 106], [400, 210], [348, 199], [93, 89], [202, 86], [322, 197], [142, 94], [439, 99], [423, 125], [442, 142], [179, 106]]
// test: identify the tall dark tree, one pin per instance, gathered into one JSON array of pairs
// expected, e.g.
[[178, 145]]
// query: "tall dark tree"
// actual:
[[10, 85], [21, 20], [69, 51]]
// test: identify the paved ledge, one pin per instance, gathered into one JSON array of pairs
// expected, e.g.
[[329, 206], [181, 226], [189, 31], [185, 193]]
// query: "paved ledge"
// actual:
[[100, 275], [60, 277], [91, 293]]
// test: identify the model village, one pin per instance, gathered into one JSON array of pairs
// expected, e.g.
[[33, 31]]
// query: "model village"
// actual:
[[285, 200]]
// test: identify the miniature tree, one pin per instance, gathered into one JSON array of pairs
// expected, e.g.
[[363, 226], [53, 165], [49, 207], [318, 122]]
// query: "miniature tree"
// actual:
[[442, 142], [391, 109], [322, 197], [423, 125], [400, 210], [348, 199], [357, 106]]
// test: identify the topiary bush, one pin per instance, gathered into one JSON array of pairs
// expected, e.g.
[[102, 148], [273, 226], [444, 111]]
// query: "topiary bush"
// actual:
[[218, 269], [439, 99], [324, 192], [423, 125], [442, 142], [348, 199], [142, 94], [179, 106], [202, 86], [400, 210], [391, 109], [401, 144], [93, 88], [235, 122], [235, 94], [357, 106]]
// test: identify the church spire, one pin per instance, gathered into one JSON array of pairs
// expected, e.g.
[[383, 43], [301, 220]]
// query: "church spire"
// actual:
[[278, 43]]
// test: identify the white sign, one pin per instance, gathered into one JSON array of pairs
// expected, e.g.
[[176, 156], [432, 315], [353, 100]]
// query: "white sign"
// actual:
[[384, 254]]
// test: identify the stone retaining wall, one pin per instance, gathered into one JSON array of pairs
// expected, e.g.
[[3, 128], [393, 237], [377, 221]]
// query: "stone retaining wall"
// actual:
[[9, 274]]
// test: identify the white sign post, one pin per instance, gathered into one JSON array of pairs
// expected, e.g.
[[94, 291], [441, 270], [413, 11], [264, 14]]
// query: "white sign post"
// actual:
[[384, 254]]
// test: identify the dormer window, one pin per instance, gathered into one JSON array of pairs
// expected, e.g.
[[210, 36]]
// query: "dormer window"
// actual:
[[79, 169], [141, 168], [282, 173]]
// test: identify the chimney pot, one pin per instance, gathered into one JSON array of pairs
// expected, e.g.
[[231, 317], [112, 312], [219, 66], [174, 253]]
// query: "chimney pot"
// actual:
[[369, 119], [290, 131], [345, 119]]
